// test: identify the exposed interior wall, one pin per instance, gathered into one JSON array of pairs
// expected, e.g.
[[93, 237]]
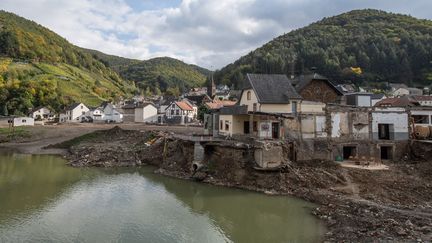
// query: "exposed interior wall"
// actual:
[[398, 120]]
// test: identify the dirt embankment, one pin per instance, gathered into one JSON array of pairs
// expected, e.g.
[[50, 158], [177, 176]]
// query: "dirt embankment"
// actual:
[[357, 205]]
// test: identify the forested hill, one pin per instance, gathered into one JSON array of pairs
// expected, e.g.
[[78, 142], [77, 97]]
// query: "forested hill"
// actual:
[[38, 67], [157, 74], [385, 46]]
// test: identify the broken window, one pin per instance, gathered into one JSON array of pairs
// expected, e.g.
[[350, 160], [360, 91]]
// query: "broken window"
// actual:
[[226, 126], [385, 131], [349, 152], [386, 152], [221, 125], [421, 119]]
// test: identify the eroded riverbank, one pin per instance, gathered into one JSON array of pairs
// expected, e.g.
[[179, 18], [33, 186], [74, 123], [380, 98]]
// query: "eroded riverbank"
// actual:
[[357, 205]]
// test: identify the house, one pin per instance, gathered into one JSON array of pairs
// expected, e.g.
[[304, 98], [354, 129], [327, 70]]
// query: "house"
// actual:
[[415, 91], [128, 111], [423, 100], [198, 99], [96, 114], [75, 112], [375, 98], [180, 112], [359, 99], [314, 87], [41, 113], [146, 112], [404, 101], [266, 99], [21, 121], [111, 114]]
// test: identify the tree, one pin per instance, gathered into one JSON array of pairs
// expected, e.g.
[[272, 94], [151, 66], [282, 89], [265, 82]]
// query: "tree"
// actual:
[[202, 109]]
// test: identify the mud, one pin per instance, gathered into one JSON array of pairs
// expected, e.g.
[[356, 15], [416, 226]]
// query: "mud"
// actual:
[[357, 205]]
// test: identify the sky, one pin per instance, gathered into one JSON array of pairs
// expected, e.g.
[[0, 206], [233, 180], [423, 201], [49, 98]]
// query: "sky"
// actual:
[[209, 33]]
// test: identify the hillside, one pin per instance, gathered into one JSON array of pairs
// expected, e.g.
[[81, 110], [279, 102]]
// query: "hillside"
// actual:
[[386, 47], [38, 67], [157, 74]]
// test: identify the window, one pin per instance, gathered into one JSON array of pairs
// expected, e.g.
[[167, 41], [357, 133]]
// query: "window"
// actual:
[[177, 112], [385, 131], [23, 121], [421, 119], [226, 126], [82, 107], [294, 107], [255, 126], [172, 112], [248, 95], [254, 106], [83, 112], [221, 125]]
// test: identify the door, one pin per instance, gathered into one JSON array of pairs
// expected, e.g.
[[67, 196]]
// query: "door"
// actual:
[[275, 130], [246, 127]]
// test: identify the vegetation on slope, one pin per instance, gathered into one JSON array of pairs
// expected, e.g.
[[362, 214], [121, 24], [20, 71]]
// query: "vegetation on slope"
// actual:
[[156, 75], [382, 46], [38, 67]]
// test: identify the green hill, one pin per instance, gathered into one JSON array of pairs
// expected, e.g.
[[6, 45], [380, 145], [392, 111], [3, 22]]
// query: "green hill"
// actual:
[[38, 67], [386, 47], [156, 74]]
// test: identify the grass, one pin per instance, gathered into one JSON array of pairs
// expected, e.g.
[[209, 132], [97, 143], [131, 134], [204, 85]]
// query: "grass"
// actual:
[[75, 141], [9, 134]]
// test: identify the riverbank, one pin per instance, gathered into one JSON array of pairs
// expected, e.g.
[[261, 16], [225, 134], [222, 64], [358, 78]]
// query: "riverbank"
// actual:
[[356, 205]]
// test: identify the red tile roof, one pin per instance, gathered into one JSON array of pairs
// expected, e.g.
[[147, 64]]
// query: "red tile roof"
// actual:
[[184, 106], [398, 102], [423, 97]]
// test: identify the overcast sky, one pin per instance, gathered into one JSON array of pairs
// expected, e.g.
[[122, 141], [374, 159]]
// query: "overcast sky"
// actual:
[[210, 33]]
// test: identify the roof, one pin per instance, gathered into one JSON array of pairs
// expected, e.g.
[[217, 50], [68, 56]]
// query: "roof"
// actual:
[[423, 97], [38, 108], [198, 99], [217, 104], [398, 85], [303, 80], [128, 106], [73, 106], [272, 88], [403, 101], [377, 96], [184, 106], [142, 105]]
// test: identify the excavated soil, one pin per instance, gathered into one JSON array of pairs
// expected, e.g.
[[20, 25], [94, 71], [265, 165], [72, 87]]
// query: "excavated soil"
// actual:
[[357, 205]]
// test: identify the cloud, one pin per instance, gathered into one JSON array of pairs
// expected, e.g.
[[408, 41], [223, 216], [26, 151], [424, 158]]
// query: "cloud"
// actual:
[[205, 32]]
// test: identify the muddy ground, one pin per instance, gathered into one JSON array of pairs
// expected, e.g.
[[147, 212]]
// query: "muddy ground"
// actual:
[[357, 205]]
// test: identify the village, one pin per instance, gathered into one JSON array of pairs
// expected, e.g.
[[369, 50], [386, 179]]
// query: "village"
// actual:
[[320, 120], [347, 149]]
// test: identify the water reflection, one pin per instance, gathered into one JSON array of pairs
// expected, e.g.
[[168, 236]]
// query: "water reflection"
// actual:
[[43, 200]]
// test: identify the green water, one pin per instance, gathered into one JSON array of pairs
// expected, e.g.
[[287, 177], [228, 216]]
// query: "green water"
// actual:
[[42, 200]]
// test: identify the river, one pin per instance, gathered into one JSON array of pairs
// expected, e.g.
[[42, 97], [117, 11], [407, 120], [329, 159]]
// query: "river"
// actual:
[[43, 200]]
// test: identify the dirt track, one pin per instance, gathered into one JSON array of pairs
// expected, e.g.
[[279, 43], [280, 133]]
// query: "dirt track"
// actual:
[[42, 136]]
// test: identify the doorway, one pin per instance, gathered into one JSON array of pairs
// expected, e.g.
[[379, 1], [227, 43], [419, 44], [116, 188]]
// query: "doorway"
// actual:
[[386, 152], [349, 152], [275, 130], [246, 127]]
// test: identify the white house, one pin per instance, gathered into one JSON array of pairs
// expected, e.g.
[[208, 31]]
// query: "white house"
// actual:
[[96, 114], [75, 111], [111, 114], [180, 112], [41, 113], [146, 113], [22, 121]]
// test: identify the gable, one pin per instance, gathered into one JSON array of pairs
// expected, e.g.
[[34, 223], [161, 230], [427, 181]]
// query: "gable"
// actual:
[[319, 91]]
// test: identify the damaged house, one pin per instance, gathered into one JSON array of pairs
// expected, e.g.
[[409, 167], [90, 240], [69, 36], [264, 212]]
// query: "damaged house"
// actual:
[[315, 124], [266, 100]]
